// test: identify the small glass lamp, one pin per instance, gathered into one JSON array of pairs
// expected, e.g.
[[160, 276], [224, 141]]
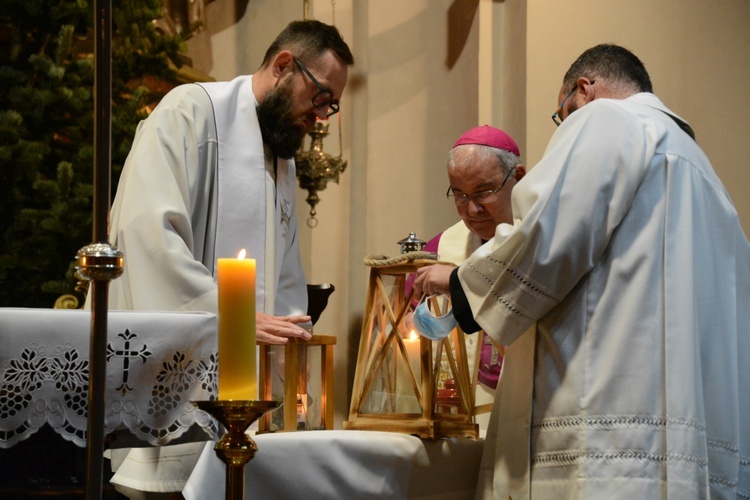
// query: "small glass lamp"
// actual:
[[299, 373]]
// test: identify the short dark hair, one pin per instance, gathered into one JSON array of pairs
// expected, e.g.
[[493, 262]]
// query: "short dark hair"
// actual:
[[609, 62], [308, 39]]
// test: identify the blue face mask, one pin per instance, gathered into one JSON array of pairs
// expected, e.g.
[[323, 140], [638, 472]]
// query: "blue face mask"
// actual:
[[432, 327]]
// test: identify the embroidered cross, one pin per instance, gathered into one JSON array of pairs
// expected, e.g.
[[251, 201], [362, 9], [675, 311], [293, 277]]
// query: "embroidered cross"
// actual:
[[126, 353], [286, 216]]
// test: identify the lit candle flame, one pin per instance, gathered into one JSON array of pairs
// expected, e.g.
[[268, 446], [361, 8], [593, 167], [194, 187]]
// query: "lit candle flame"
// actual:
[[413, 335], [241, 255]]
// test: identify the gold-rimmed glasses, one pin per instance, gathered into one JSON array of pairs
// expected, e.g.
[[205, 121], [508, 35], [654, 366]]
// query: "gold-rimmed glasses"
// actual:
[[461, 199]]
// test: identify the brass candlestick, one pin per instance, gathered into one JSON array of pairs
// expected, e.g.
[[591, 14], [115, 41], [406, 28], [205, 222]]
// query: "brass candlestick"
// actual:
[[236, 448]]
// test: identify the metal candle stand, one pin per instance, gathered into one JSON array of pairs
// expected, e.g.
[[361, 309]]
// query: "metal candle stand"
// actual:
[[236, 448]]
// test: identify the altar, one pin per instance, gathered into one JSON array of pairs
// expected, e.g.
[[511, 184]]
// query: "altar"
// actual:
[[310, 465], [157, 363]]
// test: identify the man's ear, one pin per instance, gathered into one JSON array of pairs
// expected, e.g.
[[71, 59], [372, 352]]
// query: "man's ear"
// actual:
[[282, 63], [586, 88], [520, 172]]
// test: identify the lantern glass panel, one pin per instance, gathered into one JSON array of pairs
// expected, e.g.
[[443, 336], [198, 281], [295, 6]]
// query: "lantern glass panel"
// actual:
[[394, 377], [308, 392]]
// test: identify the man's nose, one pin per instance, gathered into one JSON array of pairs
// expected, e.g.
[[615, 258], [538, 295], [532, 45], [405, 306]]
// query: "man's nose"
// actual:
[[321, 112], [475, 207]]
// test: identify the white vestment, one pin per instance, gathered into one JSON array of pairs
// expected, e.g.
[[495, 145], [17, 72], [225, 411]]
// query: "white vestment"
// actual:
[[197, 186], [457, 243], [631, 262]]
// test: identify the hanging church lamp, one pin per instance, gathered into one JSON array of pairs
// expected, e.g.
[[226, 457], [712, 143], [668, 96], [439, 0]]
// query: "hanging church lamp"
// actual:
[[315, 167]]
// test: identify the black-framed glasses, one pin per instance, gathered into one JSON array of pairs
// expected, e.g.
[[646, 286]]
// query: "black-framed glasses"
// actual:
[[556, 115], [324, 97], [487, 196]]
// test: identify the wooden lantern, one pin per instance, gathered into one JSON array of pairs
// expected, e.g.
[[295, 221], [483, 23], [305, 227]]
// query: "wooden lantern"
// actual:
[[402, 383], [301, 374]]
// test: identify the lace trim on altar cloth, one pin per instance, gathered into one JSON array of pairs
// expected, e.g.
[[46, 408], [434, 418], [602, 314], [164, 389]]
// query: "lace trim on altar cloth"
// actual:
[[148, 393]]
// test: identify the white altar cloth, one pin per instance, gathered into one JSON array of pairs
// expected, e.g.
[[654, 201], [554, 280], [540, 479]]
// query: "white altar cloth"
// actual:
[[312, 465], [156, 364]]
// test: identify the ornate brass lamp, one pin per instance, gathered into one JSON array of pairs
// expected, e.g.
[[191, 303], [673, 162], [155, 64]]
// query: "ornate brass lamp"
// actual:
[[315, 168]]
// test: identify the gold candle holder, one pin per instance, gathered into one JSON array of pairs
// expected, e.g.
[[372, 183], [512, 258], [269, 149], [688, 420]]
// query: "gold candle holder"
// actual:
[[236, 448]]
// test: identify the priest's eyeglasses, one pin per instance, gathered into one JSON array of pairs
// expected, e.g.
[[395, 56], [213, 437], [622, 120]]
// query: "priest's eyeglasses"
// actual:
[[488, 196], [324, 97], [556, 115]]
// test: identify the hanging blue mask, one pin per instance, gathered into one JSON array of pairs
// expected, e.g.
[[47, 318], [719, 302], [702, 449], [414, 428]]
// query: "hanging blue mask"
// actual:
[[430, 326]]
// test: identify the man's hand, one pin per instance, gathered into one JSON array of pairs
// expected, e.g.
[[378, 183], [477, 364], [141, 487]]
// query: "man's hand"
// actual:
[[433, 280], [278, 329]]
